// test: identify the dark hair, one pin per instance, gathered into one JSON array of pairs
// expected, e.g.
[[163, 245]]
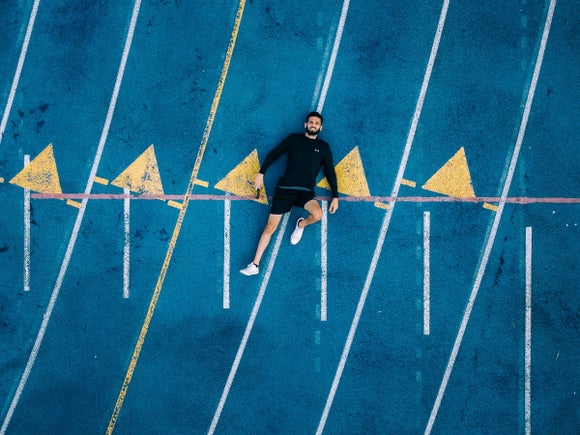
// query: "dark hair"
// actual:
[[316, 114]]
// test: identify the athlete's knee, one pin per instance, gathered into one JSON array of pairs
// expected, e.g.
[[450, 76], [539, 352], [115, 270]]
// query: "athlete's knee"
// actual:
[[316, 214], [270, 227]]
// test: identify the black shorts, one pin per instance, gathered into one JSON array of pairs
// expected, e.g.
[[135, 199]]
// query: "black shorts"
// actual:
[[284, 199]]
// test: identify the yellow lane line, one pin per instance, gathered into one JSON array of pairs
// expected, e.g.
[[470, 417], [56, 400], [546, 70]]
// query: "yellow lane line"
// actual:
[[489, 206], [101, 180], [408, 183], [178, 225], [175, 204], [73, 203]]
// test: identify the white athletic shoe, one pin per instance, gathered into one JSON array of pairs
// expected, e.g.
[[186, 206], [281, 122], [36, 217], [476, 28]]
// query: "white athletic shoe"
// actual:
[[297, 233], [250, 270]]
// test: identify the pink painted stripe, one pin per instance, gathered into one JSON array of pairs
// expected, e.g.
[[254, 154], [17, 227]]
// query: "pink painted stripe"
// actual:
[[207, 197]]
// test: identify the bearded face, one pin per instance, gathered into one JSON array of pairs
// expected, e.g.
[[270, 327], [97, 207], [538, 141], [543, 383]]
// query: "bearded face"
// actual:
[[313, 126], [312, 131]]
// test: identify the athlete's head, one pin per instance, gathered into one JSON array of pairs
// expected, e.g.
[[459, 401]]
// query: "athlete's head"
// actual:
[[316, 115], [313, 124]]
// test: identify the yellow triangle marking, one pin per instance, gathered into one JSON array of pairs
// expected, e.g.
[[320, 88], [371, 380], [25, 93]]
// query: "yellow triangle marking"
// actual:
[[452, 178], [240, 180], [142, 176], [351, 176], [40, 175]]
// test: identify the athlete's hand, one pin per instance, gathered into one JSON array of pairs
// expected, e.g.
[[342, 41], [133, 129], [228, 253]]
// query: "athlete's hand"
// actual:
[[333, 205], [259, 181]]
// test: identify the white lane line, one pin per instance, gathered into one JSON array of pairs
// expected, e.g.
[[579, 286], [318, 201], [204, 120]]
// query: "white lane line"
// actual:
[[528, 336], [333, 55], [273, 257], [127, 242], [325, 60], [324, 262], [249, 327], [227, 220], [386, 220], [426, 272], [77, 225], [496, 221], [19, 66], [26, 232], [319, 107]]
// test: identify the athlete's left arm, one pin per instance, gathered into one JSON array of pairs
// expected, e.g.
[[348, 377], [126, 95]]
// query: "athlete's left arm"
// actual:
[[330, 174]]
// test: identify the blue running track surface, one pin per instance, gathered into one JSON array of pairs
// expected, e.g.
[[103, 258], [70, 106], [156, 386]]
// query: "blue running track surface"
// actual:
[[443, 295]]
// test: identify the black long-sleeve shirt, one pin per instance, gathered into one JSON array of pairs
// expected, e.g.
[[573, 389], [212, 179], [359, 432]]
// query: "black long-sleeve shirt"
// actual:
[[305, 158]]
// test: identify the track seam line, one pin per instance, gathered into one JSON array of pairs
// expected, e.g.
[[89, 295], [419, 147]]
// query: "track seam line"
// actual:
[[418, 199]]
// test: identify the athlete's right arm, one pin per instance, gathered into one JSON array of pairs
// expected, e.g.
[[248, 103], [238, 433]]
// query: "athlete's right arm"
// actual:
[[273, 155]]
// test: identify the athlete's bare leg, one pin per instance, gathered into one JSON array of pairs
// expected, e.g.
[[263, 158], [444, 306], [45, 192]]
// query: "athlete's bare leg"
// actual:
[[269, 229], [315, 213]]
